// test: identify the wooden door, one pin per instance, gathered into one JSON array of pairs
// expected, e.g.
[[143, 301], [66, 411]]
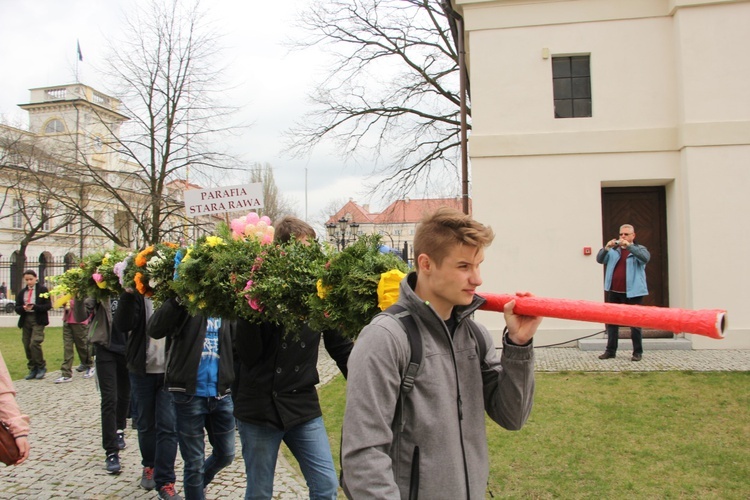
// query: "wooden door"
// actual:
[[644, 208]]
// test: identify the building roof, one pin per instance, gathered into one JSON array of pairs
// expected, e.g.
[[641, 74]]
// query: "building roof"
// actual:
[[353, 213], [413, 211], [404, 211]]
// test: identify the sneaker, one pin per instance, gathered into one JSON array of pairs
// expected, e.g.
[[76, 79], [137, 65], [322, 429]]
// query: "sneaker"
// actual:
[[121, 440], [81, 368], [90, 372], [167, 491], [62, 380], [31, 375], [147, 479], [112, 464], [40, 373], [636, 357], [607, 355]]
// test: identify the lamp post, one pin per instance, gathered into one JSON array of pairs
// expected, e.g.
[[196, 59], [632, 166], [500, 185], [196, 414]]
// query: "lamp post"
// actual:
[[342, 232]]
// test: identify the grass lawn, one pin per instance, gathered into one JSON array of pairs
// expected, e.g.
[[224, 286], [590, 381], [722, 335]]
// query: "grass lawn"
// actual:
[[15, 358], [616, 435]]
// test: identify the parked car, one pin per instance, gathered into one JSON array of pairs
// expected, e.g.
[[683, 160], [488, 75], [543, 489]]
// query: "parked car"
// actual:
[[7, 305]]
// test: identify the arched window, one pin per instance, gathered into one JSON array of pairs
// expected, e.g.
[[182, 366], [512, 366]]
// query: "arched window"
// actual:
[[54, 127], [70, 260], [45, 260]]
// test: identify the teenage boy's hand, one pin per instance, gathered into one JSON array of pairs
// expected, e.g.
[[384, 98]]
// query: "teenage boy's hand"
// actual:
[[521, 329]]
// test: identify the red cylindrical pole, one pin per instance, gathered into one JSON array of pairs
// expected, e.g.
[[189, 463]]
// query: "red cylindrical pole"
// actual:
[[707, 322]]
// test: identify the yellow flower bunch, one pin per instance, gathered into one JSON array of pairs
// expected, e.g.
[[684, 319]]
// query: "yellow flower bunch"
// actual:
[[214, 241], [388, 288]]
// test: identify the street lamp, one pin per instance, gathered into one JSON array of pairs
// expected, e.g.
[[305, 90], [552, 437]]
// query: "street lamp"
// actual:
[[342, 233]]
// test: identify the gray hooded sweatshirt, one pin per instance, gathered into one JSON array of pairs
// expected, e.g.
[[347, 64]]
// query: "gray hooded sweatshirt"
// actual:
[[443, 416]]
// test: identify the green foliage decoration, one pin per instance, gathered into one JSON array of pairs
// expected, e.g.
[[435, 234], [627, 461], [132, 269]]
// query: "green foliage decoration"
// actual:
[[208, 276], [349, 286], [280, 284]]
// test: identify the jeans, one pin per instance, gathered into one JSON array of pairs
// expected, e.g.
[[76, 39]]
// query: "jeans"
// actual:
[[309, 444], [194, 413], [156, 423], [613, 331], [114, 386]]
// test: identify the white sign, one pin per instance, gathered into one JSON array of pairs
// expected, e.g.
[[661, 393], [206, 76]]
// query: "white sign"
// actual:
[[223, 199]]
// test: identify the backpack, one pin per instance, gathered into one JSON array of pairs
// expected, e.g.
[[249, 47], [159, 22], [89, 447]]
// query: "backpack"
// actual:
[[407, 380], [415, 343]]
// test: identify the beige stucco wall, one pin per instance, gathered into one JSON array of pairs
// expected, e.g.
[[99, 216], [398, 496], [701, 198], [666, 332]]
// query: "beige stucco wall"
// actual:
[[671, 107]]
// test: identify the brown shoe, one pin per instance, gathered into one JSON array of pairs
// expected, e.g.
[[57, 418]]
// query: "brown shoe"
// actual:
[[636, 357], [607, 355]]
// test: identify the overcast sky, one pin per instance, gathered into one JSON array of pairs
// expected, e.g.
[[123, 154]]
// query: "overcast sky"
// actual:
[[268, 82]]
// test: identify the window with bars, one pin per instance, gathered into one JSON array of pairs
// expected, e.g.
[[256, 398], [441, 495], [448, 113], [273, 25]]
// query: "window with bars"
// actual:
[[17, 214], [571, 83], [44, 215]]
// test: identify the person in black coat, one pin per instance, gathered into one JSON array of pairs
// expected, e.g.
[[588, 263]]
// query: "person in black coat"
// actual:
[[200, 372], [276, 399], [32, 304]]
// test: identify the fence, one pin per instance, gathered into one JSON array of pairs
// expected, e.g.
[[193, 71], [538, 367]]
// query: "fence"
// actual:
[[11, 278]]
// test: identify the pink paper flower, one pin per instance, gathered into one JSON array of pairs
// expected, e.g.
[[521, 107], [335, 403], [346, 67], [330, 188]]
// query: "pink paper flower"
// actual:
[[252, 218], [97, 277]]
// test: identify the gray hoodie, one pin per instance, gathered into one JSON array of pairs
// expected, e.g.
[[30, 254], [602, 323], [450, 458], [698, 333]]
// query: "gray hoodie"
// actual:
[[379, 455]]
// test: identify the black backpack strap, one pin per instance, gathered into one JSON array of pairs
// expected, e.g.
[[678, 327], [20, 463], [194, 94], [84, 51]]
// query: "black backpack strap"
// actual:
[[415, 344]]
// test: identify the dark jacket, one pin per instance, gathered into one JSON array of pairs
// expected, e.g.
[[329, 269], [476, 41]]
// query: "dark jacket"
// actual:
[[41, 306], [131, 318], [104, 333], [279, 373], [187, 334]]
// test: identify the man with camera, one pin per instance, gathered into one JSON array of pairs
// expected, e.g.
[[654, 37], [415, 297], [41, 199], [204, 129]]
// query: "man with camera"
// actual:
[[625, 283]]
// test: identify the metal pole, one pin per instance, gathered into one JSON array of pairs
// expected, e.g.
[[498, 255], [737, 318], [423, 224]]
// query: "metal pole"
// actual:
[[462, 92]]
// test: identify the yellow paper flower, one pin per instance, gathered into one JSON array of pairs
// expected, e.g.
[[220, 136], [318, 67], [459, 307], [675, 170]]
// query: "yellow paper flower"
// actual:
[[61, 301], [213, 241], [322, 290], [101, 284], [388, 288]]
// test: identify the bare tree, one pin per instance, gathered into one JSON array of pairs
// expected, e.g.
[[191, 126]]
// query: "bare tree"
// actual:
[[275, 204], [29, 196], [393, 89], [164, 74]]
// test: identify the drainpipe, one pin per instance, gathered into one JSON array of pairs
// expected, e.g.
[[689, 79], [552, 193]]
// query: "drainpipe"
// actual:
[[462, 92]]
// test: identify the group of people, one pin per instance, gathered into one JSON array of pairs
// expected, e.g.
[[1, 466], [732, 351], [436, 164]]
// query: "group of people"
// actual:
[[181, 376]]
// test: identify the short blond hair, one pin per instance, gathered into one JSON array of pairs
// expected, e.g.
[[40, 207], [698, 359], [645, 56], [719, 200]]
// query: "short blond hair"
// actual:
[[445, 228]]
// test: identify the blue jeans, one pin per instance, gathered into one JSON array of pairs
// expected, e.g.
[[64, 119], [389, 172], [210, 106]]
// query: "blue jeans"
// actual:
[[195, 413], [157, 430], [309, 444]]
